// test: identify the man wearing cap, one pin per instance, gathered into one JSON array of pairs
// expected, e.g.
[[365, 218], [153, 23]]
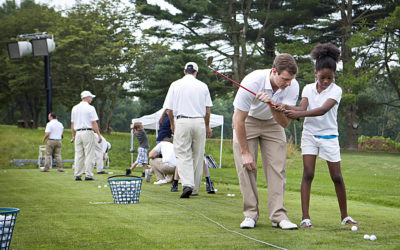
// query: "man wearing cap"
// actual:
[[83, 124], [54, 131], [188, 101]]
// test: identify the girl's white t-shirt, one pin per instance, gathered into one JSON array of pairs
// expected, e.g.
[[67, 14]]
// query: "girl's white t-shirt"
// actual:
[[325, 124]]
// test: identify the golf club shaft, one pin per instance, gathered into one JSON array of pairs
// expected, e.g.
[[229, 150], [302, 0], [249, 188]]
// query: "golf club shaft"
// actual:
[[270, 103]]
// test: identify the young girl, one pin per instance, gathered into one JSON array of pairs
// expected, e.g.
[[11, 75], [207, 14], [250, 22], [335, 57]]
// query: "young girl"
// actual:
[[319, 105]]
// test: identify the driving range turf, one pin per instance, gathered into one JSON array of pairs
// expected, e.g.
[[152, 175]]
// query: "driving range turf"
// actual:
[[58, 212]]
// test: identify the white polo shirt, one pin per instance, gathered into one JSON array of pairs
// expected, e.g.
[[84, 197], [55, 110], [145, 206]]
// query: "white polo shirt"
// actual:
[[166, 149], [327, 123], [104, 145], [82, 115], [259, 81], [188, 97], [55, 128]]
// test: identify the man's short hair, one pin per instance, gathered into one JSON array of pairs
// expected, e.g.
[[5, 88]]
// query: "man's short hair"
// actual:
[[52, 114], [137, 125], [286, 62]]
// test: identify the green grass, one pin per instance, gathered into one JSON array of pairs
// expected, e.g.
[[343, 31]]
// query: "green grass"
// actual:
[[59, 213]]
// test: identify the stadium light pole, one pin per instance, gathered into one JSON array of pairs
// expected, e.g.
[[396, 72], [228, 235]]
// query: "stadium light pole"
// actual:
[[40, 44]]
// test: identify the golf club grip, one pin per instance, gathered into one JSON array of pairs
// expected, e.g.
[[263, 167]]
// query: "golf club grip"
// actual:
[[270, 103]]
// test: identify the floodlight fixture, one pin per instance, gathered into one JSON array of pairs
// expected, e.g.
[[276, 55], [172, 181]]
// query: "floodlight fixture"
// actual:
[[17, 50], [43, 46]]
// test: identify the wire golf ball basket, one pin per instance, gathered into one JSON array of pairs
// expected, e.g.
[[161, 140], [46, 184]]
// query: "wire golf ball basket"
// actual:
[[7, 222], [125, 189]]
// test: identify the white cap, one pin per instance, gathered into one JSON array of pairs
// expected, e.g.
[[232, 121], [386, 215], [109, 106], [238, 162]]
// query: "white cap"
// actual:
[[194, 65], [86, 93]]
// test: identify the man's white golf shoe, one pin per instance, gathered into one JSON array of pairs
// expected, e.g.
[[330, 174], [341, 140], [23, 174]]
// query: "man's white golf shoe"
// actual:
[[248, 223], [284, 224], [159, 182]]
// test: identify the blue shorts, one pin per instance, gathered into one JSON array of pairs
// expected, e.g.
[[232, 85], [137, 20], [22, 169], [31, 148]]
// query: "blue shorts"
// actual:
[[142, 156]]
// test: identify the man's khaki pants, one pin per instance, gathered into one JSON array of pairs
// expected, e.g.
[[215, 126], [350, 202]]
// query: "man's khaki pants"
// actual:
[[189, 143], [53, 147], [84, 153], [161, 168], [99, 156], [272, 140]]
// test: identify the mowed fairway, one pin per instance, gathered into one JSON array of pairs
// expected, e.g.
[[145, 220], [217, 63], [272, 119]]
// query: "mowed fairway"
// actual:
[[60, 213]]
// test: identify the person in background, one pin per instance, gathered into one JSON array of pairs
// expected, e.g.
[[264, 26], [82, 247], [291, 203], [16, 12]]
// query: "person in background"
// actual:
[[189, 101], [164, 134], [83, 124], [256, 123], [164, 130], [101, 149], [162, 161], [53, 134], [142, 158], [319, 105], [209, 183]]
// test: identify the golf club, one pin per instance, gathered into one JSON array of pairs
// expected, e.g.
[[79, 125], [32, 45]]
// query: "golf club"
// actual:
[[211, 191], [209, 61]]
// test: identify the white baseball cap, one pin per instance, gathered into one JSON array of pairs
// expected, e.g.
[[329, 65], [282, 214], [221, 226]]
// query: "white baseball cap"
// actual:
[[193, 64], [86, 93]]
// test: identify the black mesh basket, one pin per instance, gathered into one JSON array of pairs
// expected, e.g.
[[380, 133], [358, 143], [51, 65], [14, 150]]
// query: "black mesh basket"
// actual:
[[7, 222], [125, 189]]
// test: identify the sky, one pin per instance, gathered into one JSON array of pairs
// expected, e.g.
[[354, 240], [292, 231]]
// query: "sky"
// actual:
[[65, 4], [58, 4]]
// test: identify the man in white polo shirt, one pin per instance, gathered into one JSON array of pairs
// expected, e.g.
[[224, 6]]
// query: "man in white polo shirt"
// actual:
[[162, 161], [54, 131], [256, 123], [100, 150], [189, 101], [83, 124]]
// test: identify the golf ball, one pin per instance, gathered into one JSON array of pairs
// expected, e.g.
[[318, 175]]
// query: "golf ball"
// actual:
[[99, 186], [367, 237], [229, 195], [215, 190], [105, 185], [232, 195], [373, 237], [354, 228]]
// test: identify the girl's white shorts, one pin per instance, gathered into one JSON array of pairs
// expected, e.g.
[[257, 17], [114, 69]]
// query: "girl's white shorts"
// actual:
[[327, 149]]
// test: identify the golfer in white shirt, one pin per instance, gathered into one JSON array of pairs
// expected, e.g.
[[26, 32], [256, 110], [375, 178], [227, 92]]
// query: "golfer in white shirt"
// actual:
[[54, 131], [319, 105], [162, 161], [188, 102], [83, 124], [100, 151], [256, 123]]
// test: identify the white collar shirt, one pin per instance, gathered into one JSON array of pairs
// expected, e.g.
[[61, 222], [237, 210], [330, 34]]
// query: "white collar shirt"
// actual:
[[188, 97], [166, 149], [259, 81], [104, 145], [325, 124], [82, 115], [55, 128]]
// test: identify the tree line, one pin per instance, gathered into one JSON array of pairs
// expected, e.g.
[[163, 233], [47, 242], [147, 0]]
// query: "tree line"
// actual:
[[102, 47]]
